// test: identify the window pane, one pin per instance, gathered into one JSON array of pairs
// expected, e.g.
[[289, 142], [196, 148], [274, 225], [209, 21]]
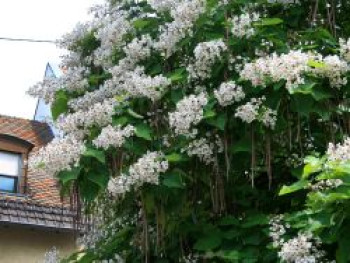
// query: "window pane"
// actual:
[[9, 163], [7, 184]]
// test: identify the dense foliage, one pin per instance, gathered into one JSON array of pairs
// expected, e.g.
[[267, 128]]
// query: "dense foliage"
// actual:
[[199, 130]]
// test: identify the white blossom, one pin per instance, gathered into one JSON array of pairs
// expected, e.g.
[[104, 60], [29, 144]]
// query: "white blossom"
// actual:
[[111, 31], [205, 56], [301, 249], [228, 93], [72, 79], [189, 111], [327, 184], [289, 67], [184, 14], [345, 49], [113, 136], [69, 40], [145, 170], [249, 111], [292, 66], [204, 149], [60, 154], [138, 84], [254, 110], [339, 152], [163, 5], [242, 25], [334, 69], [99, 114]]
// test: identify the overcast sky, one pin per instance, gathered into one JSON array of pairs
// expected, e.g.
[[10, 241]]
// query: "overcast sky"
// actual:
[[23, 64]]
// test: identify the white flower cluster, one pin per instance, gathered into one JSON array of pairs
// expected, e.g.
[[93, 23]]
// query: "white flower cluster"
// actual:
[[113, 136], [334, 69], [228, 93], [99, 114], [204, 150], [276, 230], [145, 170], [73, 79], [69, 40], [327, 184], [242, 25], [189, 111], [138, 84], [284, 2], [45, 89], [111, 31], [345, 49], [52, 256], [301, 249], [184, 14], [60, 154], [291, 67], [254, 110], [339, 152], [136, 50], [206, 54], [288, 67], [163, 5]]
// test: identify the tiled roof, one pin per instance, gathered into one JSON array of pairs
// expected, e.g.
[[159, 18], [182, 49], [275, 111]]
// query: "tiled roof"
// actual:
[[41, 204], [29, 213]]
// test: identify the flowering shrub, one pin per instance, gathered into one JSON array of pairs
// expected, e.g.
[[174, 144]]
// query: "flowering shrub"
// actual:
[[185, 125]]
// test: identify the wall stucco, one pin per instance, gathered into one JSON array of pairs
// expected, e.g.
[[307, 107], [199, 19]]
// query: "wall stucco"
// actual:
[[20, 244]]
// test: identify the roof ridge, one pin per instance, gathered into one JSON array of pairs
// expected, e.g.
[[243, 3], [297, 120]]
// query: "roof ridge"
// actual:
[[22, 119]]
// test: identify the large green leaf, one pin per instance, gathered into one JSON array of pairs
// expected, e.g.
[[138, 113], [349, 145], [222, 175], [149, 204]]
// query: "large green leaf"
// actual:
[[302, 184], [143, 131], [97, 154], [208, 243], [173, 180], [60, 105], [67, 176], [269, 21], [98, 177]]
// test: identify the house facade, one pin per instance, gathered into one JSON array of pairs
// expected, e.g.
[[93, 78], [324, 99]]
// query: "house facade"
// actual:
[[33, 218]]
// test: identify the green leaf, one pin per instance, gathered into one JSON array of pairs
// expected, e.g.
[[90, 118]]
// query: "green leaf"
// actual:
[[134, 114], [316, 64], [255, 220], [67, 176], [244, 145], [219, 121], [173, 180], [122, 120], [60, 105], [97, 154], [228, 220], [175, 157], [141, 23], [294, 187], [208, 243], [269, 22], [313, 165], [178, 75], [303, 88], [143, 131], [98, 177]]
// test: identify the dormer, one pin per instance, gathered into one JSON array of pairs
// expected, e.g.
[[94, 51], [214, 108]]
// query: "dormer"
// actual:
[[14, 153]]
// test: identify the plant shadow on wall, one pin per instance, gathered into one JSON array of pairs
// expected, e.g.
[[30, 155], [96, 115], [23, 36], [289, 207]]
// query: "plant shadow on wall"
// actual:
[[198, 131]]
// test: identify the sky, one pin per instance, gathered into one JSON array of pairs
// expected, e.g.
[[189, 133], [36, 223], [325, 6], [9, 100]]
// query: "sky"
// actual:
[[23, 64]]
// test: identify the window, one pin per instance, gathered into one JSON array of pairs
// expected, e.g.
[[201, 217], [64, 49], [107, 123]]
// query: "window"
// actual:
[[10, 171]]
